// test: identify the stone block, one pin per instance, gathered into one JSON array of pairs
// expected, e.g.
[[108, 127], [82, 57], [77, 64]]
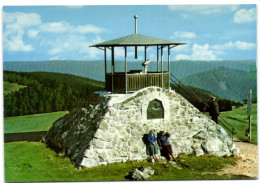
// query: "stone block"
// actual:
[[103, 125], [118, 152], [103, 156], [88, 162], [199, 151], [213, 146], [104, 135], [201, 135], [89, 153]]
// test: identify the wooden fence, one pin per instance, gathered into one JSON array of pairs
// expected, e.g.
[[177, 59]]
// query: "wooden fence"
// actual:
[[135, 81]]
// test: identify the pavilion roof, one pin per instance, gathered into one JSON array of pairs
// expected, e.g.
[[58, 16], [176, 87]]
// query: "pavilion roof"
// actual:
[[136, 40]]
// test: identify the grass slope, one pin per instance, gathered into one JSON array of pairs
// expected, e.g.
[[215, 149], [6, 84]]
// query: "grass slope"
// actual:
[[238, 118], [225, 82], [12, 87], [33, 162], [31, 123]]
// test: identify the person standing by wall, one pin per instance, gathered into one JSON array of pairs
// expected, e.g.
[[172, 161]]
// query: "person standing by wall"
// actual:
[[165, 146], [214, 109], [152, 149]]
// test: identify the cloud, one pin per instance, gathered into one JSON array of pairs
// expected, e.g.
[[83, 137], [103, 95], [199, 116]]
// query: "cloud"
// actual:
[[182, 57], [18, 25], [244, 45], [224, 46], [185, 35], [63, 26], [200, 52], [32, 33], [184, 16], [204, 9], [240, 45], [73, 45], [14, 25], [58, 27], [20, 19], [243, 15], [17, 44], [207, 52], [181, 48]]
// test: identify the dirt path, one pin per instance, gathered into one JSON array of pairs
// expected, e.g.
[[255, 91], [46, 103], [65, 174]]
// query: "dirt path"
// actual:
[[247, 164]]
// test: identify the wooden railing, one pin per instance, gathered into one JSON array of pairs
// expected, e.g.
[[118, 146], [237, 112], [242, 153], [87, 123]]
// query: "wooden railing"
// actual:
[[135, 81]]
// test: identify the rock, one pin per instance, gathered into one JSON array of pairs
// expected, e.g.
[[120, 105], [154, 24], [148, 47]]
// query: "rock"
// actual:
[[236, 152], [199, 151], [216, 147], [87, 162], [142, 173]]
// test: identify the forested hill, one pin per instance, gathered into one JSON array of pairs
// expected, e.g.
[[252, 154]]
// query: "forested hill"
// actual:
[[192, 94], [46, 92], [225, 82], [95, 69]]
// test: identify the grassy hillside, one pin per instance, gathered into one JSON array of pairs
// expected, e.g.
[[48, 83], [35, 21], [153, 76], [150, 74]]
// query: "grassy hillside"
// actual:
[[225, 82], [31, 123], [12, 87], [47, 92], [95, 69], [33, 162], [238, 118]]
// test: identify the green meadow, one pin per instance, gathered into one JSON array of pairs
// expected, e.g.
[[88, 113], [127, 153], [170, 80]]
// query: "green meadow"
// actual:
[[238, 118], [12, 87], [31, 123], [34, 162]]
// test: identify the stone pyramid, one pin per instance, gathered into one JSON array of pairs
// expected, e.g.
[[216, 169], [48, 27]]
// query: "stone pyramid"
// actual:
[[112, 128]]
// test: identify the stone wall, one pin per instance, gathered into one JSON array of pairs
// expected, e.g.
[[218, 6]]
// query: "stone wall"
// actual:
[[112, 130]]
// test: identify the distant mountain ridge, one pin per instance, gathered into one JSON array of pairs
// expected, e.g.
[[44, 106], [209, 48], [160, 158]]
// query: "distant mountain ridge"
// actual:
[[225, 82], [95, 69]]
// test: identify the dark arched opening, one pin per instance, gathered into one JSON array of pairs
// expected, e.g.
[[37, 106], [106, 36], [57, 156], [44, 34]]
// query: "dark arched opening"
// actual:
[[155, 110]]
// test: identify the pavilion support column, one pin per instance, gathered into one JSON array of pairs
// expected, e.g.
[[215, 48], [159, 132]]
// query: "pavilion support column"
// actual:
[[162, 63], [169, 65], [125, 69], [105, 54], [112, 66], [157, 58], [145, 47]]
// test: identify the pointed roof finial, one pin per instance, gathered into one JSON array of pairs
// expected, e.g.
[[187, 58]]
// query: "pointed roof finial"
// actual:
[[135, 23]]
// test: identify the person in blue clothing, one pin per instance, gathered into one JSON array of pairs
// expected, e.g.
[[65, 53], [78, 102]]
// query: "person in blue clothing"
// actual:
[[152, 149], [165, 146]]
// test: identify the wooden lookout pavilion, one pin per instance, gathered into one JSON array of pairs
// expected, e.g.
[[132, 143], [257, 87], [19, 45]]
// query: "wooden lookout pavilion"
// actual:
[[125, 82]]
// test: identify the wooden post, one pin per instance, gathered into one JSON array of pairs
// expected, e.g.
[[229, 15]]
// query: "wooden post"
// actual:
[[169, 52], [249, 119], [249, 110], [113, 67], [162, 63], [125, 69], [105, 54], [157, 58]]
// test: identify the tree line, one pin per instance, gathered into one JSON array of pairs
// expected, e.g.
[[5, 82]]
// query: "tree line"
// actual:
[[47, 92]]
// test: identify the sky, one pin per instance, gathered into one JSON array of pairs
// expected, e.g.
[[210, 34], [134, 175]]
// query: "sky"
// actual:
[[212, 32]]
